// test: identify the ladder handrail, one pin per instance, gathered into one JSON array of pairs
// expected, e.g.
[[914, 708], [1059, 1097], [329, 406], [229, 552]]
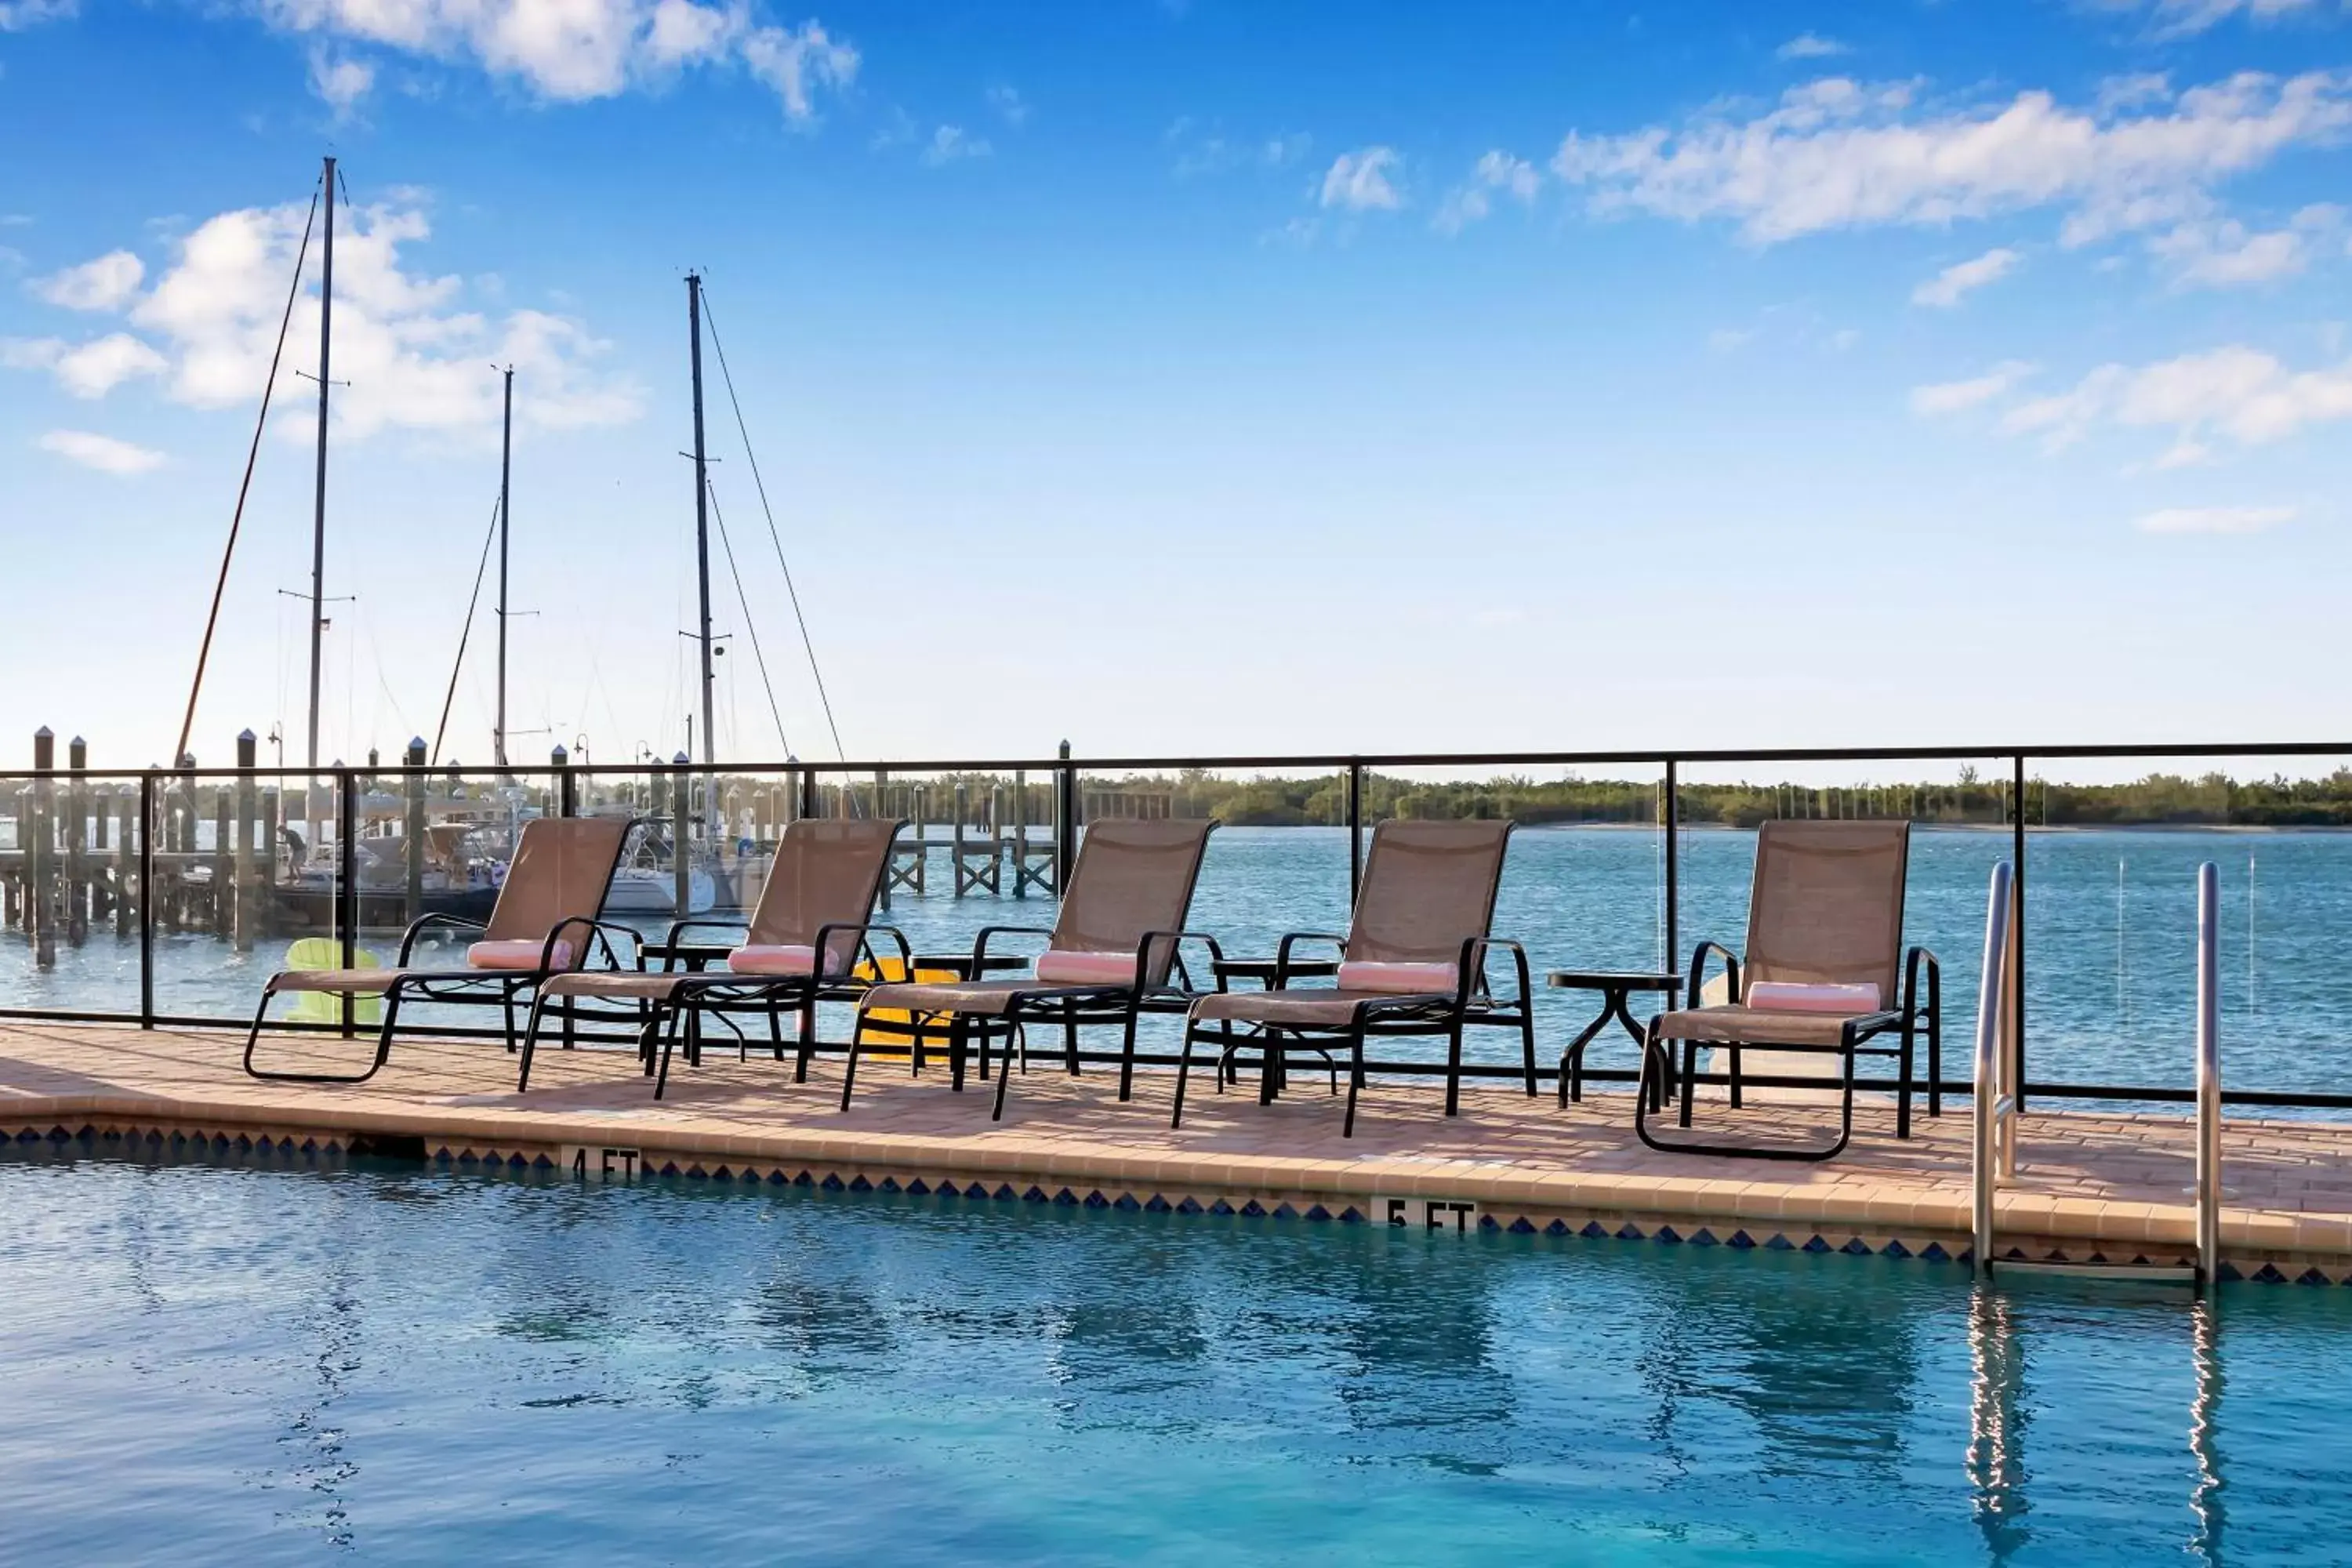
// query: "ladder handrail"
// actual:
[[2208, 1074], [1994, 1098]]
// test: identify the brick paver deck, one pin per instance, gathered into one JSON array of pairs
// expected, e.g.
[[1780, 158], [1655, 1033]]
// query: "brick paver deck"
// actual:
[[2113, 1185]]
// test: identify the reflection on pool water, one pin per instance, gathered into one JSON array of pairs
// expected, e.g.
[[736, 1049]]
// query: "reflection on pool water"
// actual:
[[208, 1360]]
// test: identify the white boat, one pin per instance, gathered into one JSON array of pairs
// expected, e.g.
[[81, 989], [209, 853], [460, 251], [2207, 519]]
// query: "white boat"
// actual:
[[653, 890]]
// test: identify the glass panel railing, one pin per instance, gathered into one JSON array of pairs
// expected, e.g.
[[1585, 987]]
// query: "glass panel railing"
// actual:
[[70, 892], [2111, 918]]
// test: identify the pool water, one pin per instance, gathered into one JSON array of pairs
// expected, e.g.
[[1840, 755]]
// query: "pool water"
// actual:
[[397, 1365]]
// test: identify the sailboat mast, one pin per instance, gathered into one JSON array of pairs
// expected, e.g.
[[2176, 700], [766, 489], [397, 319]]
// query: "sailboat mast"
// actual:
[[319, 515], [506, 468], [701, 507]]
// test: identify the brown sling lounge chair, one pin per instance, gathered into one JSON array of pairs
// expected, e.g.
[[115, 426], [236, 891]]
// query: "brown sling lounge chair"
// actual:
[[819, 898], [1412, 962], [544, 924], [1108, 958], [1824, 960]]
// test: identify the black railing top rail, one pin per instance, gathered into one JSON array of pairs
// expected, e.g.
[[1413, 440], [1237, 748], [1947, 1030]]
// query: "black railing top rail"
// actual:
[[1316, 762]]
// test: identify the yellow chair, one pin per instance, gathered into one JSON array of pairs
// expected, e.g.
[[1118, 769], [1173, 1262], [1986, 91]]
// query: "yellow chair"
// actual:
[[892, 1043], [321, 1006]]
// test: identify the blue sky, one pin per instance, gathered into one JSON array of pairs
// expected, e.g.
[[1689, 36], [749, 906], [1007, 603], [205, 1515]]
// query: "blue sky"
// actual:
[[1196, 377]]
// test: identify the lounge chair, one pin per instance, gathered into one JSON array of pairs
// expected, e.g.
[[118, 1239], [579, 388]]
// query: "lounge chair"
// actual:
[[543, 924], [819, 898], [1412, 962], [1824, 959], [1108, 959]]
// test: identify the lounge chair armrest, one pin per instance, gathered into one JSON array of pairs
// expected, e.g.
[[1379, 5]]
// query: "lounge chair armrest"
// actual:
[[1864, 1024], [1916, 960], [1175, 940], [867, 931], [1474, 966], [980, 943], [417, 926], [1699, 971], [1292, 938], [599, 931]]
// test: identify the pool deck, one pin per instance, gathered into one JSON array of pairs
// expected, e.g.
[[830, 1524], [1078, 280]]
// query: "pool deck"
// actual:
[[2089, 1188]]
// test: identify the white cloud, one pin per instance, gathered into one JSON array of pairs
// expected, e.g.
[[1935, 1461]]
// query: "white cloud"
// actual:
[[1837, 155], [1812, 47], [2214, 519], [575, 49], [100, 285], [2226, 254], [16, 16], [1730, 339], [340, 83], [795, 62], [2176, 18], [90, 370], [1945, 289], [1359, 181], [1007, 102], [950, 143], [1953, 397], [104, 453], [1496, 171], [416, 357], [2238, 393]]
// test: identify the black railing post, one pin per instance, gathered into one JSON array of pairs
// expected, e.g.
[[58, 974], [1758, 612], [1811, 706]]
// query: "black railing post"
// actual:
[[1355, 831], [147, 900], [566, 804], [808, 792], [1066, 821], [347, 877], [1673, 927], [2017, 912]]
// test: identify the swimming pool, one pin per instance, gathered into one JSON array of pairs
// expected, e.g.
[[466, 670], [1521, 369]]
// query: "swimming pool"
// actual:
[[207, 1360]]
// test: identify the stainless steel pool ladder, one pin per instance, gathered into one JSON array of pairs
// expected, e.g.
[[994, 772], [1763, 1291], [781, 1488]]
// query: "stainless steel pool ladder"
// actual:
[[1995, 1083], [1995, 1090]]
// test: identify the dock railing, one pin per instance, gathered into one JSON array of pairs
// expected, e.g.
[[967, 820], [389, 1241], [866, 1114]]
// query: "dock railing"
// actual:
[[150, 896]]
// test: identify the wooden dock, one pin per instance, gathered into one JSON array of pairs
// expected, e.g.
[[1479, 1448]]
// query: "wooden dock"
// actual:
[[2103, 1187]]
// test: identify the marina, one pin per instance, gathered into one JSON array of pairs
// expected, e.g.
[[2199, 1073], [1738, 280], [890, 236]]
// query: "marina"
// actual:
[[1283, 860]]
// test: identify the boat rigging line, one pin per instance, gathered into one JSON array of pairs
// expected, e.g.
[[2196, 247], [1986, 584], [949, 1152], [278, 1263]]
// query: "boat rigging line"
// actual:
[[237, 519], [750, 625], [466, 633], [728, 379]]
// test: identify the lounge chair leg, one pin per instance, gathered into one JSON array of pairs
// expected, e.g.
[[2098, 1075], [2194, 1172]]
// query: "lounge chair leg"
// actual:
[[776, 1026], [1902, 1090], [647, 1038], [1735, 1076], [530, 1042], [959, 1041], [1126, 1058], [1935, 1063], [1528, 1043], [677, 1017], [1355, 1077], [807, 1040], [569, 1033], [1689, 1080], [506, 1006], [1004, 1074], [1070, 1042], [1184, 1070], [850, 1063], [1453, 1069]]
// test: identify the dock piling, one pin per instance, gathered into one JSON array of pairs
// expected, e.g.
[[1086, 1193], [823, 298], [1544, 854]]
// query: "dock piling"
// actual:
[[248, 911]]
